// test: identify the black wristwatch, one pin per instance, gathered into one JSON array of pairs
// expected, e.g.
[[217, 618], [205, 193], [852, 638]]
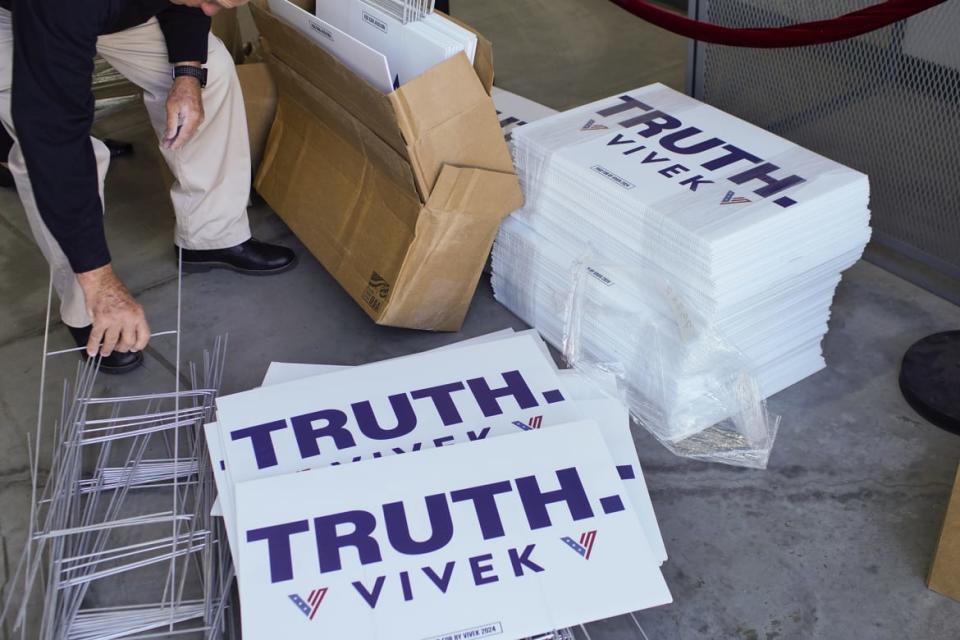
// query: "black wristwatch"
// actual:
[[194, 72]]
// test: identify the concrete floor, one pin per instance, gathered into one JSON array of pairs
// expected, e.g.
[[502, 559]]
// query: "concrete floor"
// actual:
[[832, 541]]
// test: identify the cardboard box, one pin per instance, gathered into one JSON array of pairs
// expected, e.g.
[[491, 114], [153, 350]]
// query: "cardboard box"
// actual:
[[945, 572], [399, 196], [260, 103], [226, 26]]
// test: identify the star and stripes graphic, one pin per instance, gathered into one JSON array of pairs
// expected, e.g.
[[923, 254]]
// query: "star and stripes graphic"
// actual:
[[313, 601], [730, 198], [533, 423], [593, 125], [583, 546]]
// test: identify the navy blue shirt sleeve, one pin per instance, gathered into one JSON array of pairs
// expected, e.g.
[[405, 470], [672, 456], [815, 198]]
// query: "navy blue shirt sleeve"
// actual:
[[53, 106], [186, 31]]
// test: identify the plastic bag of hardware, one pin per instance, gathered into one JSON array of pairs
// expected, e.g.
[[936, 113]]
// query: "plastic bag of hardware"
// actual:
[[682, 378]]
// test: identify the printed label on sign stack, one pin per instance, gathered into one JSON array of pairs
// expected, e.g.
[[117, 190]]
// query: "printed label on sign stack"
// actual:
[[430, 495]]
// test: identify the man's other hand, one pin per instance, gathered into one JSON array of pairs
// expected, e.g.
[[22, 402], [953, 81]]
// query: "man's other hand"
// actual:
[[211, 7], [118, 320], [184, 112]]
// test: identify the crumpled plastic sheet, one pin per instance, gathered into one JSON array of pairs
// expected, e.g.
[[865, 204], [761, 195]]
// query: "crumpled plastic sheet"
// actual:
[[682, 381]]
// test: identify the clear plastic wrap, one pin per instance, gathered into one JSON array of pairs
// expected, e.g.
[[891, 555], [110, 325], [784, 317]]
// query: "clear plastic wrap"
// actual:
[[709, 282], [682, 381]]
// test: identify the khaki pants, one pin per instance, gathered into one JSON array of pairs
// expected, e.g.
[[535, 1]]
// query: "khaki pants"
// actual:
[[212, 171]]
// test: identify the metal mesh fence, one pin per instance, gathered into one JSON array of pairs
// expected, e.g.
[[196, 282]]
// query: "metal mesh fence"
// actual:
[[886, 103]]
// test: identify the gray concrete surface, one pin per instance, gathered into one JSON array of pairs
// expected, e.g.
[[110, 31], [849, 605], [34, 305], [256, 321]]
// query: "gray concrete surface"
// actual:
[[832, 541]]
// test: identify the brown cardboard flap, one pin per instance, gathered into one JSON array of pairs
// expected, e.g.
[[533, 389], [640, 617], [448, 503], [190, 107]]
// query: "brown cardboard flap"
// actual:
[[453, 237], [327, 184], [483, 60], [326, 110], [446, 117], [327, 73], [945, 571]]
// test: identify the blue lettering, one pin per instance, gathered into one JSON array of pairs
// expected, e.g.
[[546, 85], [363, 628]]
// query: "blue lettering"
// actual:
[[695, 182], [369, 425], [629, 102], [442, 397], [329, 542], [335, 429], [278, 546], [762, 173], [442, 582], [484, 500], [672, 170], [669, 142], [571, 492], [398, 526], [262, 441], [655, 123], [405, 586], [618, 139], [488, 398], [479, 570], [653, 157], [523, 560], [371, 598]]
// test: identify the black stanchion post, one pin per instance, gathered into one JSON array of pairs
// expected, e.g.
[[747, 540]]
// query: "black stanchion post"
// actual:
[[930, 379]]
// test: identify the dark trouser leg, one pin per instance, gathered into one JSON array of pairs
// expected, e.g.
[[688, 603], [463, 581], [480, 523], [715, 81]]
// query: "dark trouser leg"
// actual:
[[6, 143]]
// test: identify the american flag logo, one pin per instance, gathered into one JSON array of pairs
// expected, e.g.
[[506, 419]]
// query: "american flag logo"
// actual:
[[585, 545], [593, 125], [309, 606], [533, 423], [731, 199]]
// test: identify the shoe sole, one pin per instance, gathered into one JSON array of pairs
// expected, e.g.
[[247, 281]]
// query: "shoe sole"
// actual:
[[203, 267], [116, 371]]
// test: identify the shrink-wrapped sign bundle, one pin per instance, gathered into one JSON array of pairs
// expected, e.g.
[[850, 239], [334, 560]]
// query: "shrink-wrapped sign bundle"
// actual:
[[685, 248]]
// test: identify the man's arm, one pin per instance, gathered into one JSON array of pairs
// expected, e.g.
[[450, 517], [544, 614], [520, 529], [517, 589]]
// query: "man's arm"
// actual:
[[53, 106], [186, 31]]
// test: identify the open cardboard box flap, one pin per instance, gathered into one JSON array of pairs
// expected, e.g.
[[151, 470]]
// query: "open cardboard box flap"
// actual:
[[417, 119], [399, 195], [454, 234]]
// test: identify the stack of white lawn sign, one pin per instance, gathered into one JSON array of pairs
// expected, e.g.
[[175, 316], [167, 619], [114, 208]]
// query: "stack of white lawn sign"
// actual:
[[466, 492], [666, 239]]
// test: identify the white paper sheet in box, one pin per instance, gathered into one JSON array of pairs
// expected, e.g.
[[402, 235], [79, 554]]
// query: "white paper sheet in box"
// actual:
[[408, 52], [369, 64], [515, 525]]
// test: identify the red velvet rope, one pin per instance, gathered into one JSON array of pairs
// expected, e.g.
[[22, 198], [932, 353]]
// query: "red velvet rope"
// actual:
[[819, 32]]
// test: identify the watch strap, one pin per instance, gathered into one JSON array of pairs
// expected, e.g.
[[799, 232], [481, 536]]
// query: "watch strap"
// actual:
[[193, 72]]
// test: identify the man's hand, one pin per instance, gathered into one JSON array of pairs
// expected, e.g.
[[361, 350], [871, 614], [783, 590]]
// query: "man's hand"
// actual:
[[118, 320], [184, 111]]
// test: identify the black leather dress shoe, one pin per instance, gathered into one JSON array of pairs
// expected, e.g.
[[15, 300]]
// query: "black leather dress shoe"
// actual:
[[116, 362], [252, 257], [118, 148]]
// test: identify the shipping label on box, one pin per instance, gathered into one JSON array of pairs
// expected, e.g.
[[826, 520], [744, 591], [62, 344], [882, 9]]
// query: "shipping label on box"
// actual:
[[506, 537]]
